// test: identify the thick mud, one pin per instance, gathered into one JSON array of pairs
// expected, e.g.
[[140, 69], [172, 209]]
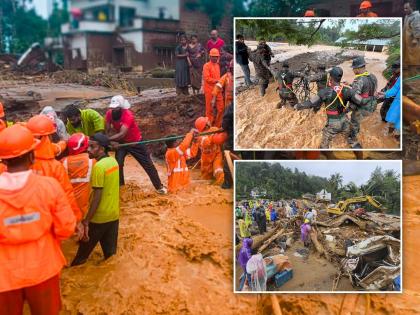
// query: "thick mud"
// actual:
[[173, 261], [260, 125]]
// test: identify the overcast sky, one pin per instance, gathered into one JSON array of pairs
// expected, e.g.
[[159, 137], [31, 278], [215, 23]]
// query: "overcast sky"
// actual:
[[42, 7], [355, 171]]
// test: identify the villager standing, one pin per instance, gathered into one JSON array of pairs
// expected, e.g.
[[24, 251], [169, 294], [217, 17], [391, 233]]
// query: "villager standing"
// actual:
[[242, 57], [411, 35], [196, 55], [182, 71]]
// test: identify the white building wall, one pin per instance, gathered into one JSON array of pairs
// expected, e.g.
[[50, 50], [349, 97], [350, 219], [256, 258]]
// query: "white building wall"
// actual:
[[136, 38], [79, 41]]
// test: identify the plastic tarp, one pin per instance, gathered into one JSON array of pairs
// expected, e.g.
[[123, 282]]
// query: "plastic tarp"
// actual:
[[371, 245], [256, 267]]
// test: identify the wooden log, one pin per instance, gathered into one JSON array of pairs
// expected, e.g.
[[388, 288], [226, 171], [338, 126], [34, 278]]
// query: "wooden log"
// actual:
[[268, 242], [258, 240], [320, 249]]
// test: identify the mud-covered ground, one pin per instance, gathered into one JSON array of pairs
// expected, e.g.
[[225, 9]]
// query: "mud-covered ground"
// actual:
[[260, 125], [173, 261]]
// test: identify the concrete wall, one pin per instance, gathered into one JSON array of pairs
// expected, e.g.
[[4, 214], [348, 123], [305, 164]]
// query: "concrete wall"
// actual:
[[99, 50]]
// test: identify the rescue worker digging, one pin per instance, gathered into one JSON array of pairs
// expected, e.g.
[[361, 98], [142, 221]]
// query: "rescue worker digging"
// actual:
[[320, 77], [87, 121], [335, 96], [211, 75], [176, 161], [35, 216], [79, 168], [365, 85], [224, 86], [121, 127], [211, 153]]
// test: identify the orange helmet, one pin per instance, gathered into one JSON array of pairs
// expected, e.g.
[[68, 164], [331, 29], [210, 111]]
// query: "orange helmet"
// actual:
[[309, 13], [16, 141], [214, 52], [365, 5], [2, 114], [200, 123], [78, 143], [41, 125], [220, 138]]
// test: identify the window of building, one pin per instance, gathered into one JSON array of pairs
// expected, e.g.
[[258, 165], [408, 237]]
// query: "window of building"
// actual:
[[127, 16]]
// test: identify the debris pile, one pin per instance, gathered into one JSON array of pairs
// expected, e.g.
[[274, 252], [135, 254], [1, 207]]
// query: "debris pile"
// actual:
[[363, 247]]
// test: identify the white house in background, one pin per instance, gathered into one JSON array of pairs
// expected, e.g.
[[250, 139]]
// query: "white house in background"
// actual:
[[323, 195], [256, 193], [129, 34]]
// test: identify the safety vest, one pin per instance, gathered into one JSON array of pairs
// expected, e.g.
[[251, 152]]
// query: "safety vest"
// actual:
[[336, 105], [83, 176], [181, 165]]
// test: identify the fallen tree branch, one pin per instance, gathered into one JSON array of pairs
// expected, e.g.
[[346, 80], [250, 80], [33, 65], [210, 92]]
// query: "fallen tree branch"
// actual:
[[271, 239]]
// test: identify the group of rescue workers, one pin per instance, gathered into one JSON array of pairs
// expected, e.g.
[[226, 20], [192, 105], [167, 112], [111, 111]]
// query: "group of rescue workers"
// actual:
[[57, 180], [360, 97], [365, 10]]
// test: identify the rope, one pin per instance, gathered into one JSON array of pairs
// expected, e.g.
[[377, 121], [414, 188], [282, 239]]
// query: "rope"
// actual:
[[412, 78], [167, 138]]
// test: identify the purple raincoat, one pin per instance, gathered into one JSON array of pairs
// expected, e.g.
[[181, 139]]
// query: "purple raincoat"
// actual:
[[305, 229], [245, 253]]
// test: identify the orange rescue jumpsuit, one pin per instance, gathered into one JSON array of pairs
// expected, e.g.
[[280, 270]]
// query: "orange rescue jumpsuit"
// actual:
[[225, 84], [3, 167], [30, 253], [79, 168], [46, 164], [176, 163], [211, 158], [211, 75]]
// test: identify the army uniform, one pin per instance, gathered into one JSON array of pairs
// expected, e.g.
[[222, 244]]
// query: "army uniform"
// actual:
[[285, 79], [261, 70], [320, 78], [364, 85], [336, 99]]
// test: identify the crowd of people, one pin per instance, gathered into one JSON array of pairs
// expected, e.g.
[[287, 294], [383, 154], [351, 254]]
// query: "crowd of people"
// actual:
[[58, 180], [208, 70], [253, 216]]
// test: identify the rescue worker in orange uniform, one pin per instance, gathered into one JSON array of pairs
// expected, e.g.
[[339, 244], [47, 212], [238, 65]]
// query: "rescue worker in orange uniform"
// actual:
[[211, 75], [35, 216], [211, 153], [45, 163], [365, 10], [225, 86], [310, 13], [3, 167], [176, 161], [79, 169]]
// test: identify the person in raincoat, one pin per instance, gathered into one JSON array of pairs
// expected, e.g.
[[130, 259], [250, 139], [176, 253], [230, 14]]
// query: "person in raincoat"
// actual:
[[305, 230], [59, 124], [244, 255]]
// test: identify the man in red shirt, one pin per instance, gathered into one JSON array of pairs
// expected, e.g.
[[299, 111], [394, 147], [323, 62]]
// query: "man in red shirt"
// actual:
[[215, 41], [121, 127]]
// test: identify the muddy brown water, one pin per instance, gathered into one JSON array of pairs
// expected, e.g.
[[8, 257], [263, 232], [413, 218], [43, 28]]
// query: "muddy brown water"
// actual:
[[169, 262]]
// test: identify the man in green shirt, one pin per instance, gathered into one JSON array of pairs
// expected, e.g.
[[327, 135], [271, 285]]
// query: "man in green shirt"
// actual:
[[101, 221], [86, 121]]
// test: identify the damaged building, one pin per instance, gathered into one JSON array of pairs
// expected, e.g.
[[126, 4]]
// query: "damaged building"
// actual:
[[131, 34], [385, 8]]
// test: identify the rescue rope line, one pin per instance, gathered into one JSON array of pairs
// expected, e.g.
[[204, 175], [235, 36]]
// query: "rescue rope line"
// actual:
[[167, 138], [412, 78]]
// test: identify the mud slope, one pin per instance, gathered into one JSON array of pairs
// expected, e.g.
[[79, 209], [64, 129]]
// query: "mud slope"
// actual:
[[260, 125]]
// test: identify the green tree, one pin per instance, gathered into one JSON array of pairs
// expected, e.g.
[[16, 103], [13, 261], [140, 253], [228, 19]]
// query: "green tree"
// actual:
[[278, 7]]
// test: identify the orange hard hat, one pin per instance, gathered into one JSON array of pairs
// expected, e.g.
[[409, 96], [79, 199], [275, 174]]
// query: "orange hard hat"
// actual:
[[200, 123], [214, 52], [16, 141], [2, 114], [309, 13], [220, 138], [41, 125], [365, 5], [78, 143], [2, 125]]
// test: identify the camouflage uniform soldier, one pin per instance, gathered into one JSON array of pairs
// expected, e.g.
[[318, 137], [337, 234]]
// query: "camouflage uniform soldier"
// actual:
[[261, 68], [285, 79], [365, 85], [335, 96], [321, 77]]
